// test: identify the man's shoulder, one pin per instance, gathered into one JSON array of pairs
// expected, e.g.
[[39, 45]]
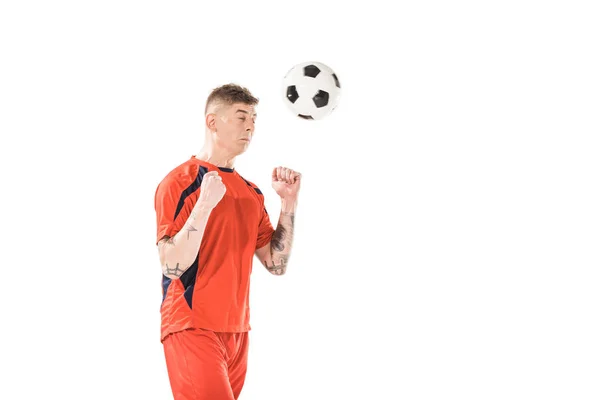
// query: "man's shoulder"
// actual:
[[183, 174]]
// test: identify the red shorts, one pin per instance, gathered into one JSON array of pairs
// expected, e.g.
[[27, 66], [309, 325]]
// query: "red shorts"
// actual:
[[203, 364]]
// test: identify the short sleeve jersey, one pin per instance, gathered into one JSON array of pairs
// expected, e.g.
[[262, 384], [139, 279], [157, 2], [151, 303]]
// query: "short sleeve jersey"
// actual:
[[214, 292]]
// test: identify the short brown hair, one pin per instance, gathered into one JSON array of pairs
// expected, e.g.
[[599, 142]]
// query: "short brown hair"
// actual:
[[229, 94]]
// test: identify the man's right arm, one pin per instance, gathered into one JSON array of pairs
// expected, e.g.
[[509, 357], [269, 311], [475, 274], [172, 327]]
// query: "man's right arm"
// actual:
[[177, 253]]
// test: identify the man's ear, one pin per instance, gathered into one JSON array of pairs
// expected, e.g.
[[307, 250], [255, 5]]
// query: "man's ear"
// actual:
[[211, 122]]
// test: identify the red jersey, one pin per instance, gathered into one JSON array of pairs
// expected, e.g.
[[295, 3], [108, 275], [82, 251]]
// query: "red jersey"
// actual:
[[214, 292]]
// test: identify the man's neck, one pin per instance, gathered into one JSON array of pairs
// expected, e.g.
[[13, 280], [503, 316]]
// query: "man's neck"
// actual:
[[214, 158]]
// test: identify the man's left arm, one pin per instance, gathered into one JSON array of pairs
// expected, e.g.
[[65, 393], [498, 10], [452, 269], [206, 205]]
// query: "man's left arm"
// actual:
[[275, 255]]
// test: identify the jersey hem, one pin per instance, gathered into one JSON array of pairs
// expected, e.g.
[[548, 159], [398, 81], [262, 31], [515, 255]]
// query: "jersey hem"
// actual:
[[227, 329]]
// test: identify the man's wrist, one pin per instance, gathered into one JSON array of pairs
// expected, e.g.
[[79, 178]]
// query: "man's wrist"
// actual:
[[288, 205], [201, 210]]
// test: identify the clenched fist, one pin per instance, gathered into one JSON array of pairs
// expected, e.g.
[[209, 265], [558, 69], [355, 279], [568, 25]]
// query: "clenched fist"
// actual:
[[212, 190], [286, 182]]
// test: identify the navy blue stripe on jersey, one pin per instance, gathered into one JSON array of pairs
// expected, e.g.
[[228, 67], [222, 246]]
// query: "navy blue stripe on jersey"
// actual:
[[256, 189], [188, 279], [166, 282], [195, 185]]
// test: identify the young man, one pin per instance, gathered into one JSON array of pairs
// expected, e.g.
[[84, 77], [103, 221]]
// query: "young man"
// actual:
[[211, 222]]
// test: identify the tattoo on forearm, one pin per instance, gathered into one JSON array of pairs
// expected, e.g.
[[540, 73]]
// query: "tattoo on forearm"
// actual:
[[170, 241], [277, 243], [283, 234], [189, 229], [277, 269], [281, 244], [173, 271], [289, 214]]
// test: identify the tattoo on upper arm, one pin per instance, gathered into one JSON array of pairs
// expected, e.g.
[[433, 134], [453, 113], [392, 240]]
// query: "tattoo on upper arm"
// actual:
[[173, 271]]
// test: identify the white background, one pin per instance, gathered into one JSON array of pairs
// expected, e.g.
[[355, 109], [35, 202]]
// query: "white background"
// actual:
[[447, 240]]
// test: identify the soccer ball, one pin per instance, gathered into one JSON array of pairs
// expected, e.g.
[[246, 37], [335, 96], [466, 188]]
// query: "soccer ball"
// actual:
[[311, 90]]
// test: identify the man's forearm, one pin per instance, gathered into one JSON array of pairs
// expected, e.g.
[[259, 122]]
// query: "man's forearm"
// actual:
[[281, 243], [179, 252]]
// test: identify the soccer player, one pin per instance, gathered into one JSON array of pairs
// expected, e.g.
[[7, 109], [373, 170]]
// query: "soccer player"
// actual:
[[211, 222]]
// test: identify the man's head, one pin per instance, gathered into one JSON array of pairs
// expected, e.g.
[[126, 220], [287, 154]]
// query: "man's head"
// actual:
[[230, 116]]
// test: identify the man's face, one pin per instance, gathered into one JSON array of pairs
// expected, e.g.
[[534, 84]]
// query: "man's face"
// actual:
[[234, 127]]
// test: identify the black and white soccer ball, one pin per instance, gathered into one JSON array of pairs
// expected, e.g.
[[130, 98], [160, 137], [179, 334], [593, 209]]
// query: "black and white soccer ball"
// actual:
[[311, 90]]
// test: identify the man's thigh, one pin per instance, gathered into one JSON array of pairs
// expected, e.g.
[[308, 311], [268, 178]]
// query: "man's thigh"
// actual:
[[197, 367]]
